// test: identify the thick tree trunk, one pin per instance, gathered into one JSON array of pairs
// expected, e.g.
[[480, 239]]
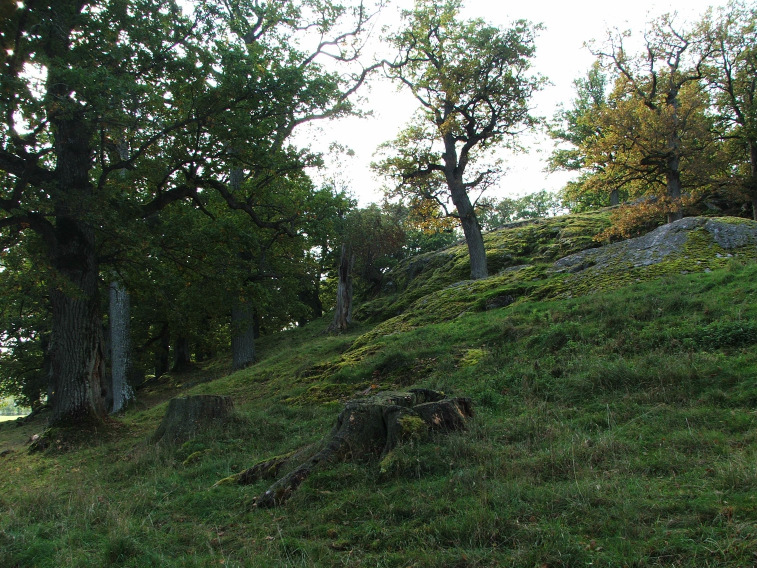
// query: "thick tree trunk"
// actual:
[[76, 347], [673, 176], [472, 231], [182, 355], [673, 163], [343, 312], [614, 197], [242, 335], [120, 346]]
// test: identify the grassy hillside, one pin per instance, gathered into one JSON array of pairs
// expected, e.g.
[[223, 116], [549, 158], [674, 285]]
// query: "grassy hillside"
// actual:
[[616, 425]]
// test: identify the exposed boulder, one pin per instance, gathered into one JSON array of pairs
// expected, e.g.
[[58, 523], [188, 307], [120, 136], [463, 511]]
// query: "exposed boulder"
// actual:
[[662, 243]]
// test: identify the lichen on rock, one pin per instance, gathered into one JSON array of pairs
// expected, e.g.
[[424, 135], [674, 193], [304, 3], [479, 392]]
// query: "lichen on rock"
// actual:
[[661, 244]]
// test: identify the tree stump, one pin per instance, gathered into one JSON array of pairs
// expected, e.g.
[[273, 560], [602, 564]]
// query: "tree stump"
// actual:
[[187, 416], [365, 428]]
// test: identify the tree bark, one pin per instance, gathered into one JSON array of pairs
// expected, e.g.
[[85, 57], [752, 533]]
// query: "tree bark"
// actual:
[[343, 312], [182, 356], [673, 162], [76, 347], [242, 335], [309, 295], [673, 178], [120, 346], [365, 428], [472, 231], [162, 354], [752, 182]]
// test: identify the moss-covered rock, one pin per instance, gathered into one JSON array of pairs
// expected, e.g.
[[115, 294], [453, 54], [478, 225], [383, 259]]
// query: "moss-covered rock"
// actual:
[[549, 259], [666, 242], [509, 249]]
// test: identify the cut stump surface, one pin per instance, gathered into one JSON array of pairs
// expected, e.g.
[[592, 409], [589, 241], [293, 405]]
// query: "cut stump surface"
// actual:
[[365, 428], [187, 416]]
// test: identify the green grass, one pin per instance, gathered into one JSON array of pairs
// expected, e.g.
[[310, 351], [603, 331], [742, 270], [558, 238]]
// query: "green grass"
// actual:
[[613, 429]]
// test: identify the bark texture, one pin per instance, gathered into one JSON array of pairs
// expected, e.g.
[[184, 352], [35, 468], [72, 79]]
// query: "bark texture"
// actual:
[[242, 335], [162, 353], [182, 356], [77, 360], [343, 312], [454, 169], [187, 416], [120, 346], [473, 237], [752, 181], [365, 428]]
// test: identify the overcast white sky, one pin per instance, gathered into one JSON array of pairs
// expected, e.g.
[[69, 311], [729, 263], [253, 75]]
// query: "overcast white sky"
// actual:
[[560, 56]]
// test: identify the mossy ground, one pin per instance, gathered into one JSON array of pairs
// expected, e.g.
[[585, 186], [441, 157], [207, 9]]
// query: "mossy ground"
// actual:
[[615, 428]]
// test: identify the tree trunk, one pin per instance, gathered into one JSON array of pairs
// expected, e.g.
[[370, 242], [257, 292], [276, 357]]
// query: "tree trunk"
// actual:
[[120, 346], [343, 312], [162, 354], [310, 296], [673, 163], [76, 348], [182, 356], [614, 197], [673, 176], [472, 231], [242, 335], [752, 183]]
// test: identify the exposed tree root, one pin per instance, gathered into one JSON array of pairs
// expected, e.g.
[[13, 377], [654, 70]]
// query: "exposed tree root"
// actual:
[[366, 427]]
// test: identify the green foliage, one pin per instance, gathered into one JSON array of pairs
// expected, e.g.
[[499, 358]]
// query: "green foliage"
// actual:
[[124, 123], [25, 323], [470, 80], [724, 334], [731, 74], [668, 124], [493, 214]]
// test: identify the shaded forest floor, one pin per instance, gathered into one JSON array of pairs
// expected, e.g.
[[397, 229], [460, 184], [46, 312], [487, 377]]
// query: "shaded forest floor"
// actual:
[[618, 428]]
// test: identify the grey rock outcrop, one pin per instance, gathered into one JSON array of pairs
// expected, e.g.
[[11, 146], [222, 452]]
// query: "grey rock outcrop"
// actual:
[[662, 243]]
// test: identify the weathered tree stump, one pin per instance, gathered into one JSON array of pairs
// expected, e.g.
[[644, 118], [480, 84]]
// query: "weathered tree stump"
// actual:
[[365, 428], [187, 416]]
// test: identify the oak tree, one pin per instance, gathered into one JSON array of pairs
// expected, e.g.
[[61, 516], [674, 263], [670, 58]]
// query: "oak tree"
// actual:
[[733, 73], [114, 110], [656, 124], [473, 85]]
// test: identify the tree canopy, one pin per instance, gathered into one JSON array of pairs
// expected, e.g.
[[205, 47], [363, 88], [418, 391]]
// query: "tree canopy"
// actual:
[[669, 125], [113, 111], [473, 86]]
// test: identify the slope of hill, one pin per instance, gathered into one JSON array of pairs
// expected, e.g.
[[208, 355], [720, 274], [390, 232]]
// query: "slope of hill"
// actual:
[[615, 396]]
